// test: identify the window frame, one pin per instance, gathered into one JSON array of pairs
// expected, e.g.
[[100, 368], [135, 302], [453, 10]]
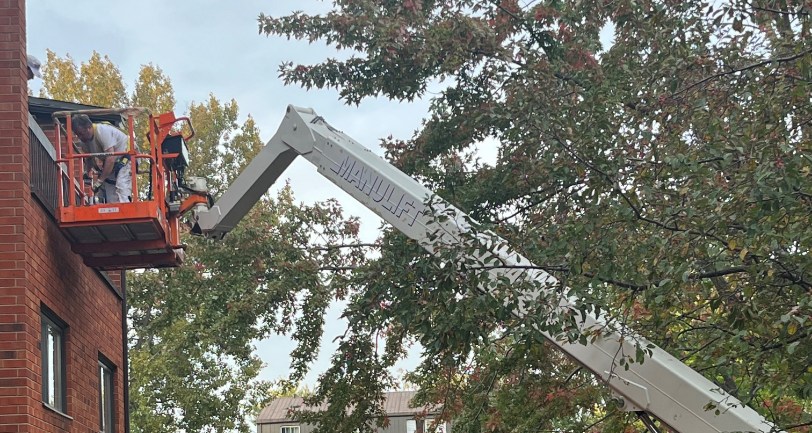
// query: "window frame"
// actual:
[[441, 427], [294, 429], [423, 425], [53, 325], [107, 401]]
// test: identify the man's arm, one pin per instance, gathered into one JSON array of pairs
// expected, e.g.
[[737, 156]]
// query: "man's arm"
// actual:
[[107, 168]]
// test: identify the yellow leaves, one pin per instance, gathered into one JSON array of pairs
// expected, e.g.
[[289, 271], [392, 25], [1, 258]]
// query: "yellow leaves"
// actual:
[[98, 81], [221, 147], [792, 327], [95, 82], [153, 90], [102, 83], [60, 78], [732, 244]]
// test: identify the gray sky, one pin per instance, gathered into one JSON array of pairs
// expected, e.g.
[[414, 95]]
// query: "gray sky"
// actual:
[[213, 46]]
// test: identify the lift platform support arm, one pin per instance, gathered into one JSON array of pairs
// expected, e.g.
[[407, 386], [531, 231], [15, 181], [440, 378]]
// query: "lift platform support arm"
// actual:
[[661, 386]]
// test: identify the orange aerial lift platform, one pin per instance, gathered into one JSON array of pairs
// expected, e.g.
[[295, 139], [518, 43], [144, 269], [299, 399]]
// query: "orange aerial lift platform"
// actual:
[[142, 233]]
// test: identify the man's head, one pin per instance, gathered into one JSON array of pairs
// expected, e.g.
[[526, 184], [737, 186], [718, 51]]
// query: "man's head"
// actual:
[[82, 127], [33, 67]]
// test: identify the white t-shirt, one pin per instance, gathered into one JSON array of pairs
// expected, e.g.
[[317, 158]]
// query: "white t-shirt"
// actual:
[[106, 138]]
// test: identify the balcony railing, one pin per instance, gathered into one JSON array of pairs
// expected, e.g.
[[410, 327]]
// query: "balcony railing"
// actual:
[[43, 169], [44, 174]]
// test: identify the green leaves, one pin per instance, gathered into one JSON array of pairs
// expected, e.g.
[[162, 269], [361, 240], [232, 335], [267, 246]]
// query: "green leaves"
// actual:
[[267, 277], [220, 147], [665, 179]]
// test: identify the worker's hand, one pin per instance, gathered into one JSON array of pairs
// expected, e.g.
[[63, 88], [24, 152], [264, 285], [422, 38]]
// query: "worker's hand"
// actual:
[[97, 184]]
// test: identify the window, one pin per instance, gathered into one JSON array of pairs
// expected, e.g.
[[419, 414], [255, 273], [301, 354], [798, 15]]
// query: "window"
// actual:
[[421, 426], [289, 429], [53, 361], [441, 427], [106, 396]]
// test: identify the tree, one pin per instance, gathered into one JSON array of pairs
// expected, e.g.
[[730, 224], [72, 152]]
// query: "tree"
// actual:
[[664, 178], [153, 90], [95, 82], [221, 147], [60, 78], [265, 277]]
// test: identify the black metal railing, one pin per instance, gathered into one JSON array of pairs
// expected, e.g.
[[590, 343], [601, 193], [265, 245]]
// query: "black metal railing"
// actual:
[[42, 156], [43, 167]]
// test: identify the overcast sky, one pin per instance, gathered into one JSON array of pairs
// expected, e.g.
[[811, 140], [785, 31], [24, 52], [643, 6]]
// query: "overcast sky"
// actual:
[[213, 46]]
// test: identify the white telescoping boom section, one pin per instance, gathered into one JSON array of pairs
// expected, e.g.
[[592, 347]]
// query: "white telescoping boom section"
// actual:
[[661, 386]]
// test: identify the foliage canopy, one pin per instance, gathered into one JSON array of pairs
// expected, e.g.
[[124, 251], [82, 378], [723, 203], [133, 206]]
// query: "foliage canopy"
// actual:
[[665, 178]]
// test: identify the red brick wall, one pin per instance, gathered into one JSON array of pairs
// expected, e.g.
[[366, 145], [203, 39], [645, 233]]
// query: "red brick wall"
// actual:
[[38, 268], [16, 378]]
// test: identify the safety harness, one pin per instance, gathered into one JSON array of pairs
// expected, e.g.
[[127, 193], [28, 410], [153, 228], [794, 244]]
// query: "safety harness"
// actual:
[[121, 161]]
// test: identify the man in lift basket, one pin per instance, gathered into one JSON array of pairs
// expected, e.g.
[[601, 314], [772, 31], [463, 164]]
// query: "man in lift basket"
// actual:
[[115, 177]]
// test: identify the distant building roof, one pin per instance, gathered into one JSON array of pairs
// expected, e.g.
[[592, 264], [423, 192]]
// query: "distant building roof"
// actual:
[[396, 404], [42, 107]]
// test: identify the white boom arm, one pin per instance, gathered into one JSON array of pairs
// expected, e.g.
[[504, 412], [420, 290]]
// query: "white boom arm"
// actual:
[[661, 386]]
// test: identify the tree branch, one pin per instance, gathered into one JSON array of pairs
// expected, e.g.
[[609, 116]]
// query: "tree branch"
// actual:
[[800, 336], [623, 284], [574, 372], [803, 424], [535, 36], [719, 273], [779, 60], [535, 202], [337, 246], [777, 11], [337, 268]]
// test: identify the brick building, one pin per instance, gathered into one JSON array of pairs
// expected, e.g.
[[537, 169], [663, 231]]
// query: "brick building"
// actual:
[[62, 353]]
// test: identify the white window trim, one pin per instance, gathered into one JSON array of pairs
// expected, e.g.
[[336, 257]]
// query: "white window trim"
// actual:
[[56, 366], [294, 429], [107, 389], [411, 426]]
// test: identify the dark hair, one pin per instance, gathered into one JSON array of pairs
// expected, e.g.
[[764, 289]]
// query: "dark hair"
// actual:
[[80, 121]]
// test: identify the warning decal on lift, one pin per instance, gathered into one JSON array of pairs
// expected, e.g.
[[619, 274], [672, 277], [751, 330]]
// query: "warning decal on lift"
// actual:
[[108, 210]]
